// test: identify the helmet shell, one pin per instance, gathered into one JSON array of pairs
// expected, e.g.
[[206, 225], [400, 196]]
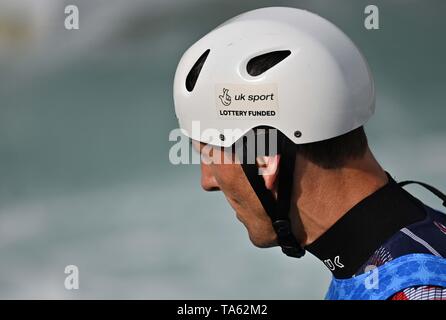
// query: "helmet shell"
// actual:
[[323, 89]]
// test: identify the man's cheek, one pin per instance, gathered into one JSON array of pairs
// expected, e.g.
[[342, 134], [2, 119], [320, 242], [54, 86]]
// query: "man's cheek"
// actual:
[[233, 183]]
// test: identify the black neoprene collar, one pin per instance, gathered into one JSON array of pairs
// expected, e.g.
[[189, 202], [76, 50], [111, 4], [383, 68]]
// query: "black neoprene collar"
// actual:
[[348, 244]]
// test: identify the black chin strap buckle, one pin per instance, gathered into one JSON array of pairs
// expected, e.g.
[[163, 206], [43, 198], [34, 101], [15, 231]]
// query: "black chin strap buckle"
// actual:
[[282, 228], [293, 251], [286, 240]]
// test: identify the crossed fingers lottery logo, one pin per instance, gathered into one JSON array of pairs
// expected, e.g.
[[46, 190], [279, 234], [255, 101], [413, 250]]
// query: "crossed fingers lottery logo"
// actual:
[[225, 97]]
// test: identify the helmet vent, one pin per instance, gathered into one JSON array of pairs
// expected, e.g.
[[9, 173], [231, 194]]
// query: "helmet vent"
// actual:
[[193, 74], [258, 65]]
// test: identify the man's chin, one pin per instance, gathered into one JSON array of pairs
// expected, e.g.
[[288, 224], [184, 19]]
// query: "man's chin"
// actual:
[[259, 237], [260, 241]]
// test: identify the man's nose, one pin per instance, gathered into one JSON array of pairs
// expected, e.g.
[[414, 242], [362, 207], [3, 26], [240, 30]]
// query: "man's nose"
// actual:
[[208, 181]]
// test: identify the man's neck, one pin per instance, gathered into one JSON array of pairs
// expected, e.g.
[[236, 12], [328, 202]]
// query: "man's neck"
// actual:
[[323, 196]]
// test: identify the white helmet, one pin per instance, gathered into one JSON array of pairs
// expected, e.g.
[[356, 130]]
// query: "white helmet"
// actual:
[[310, 81], [277, 67]]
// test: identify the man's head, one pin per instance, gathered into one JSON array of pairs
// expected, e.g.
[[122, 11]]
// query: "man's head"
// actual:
[[227, 175], [281, 68]]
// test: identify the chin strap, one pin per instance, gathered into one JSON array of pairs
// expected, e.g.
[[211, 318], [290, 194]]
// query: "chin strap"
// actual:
[[435, 191], [278, 210]]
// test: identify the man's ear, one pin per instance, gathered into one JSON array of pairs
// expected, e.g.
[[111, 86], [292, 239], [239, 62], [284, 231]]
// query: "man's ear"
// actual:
[[269, 169]]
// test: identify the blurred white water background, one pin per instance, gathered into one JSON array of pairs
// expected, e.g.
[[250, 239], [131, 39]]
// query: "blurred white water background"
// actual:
[[84, 171]]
